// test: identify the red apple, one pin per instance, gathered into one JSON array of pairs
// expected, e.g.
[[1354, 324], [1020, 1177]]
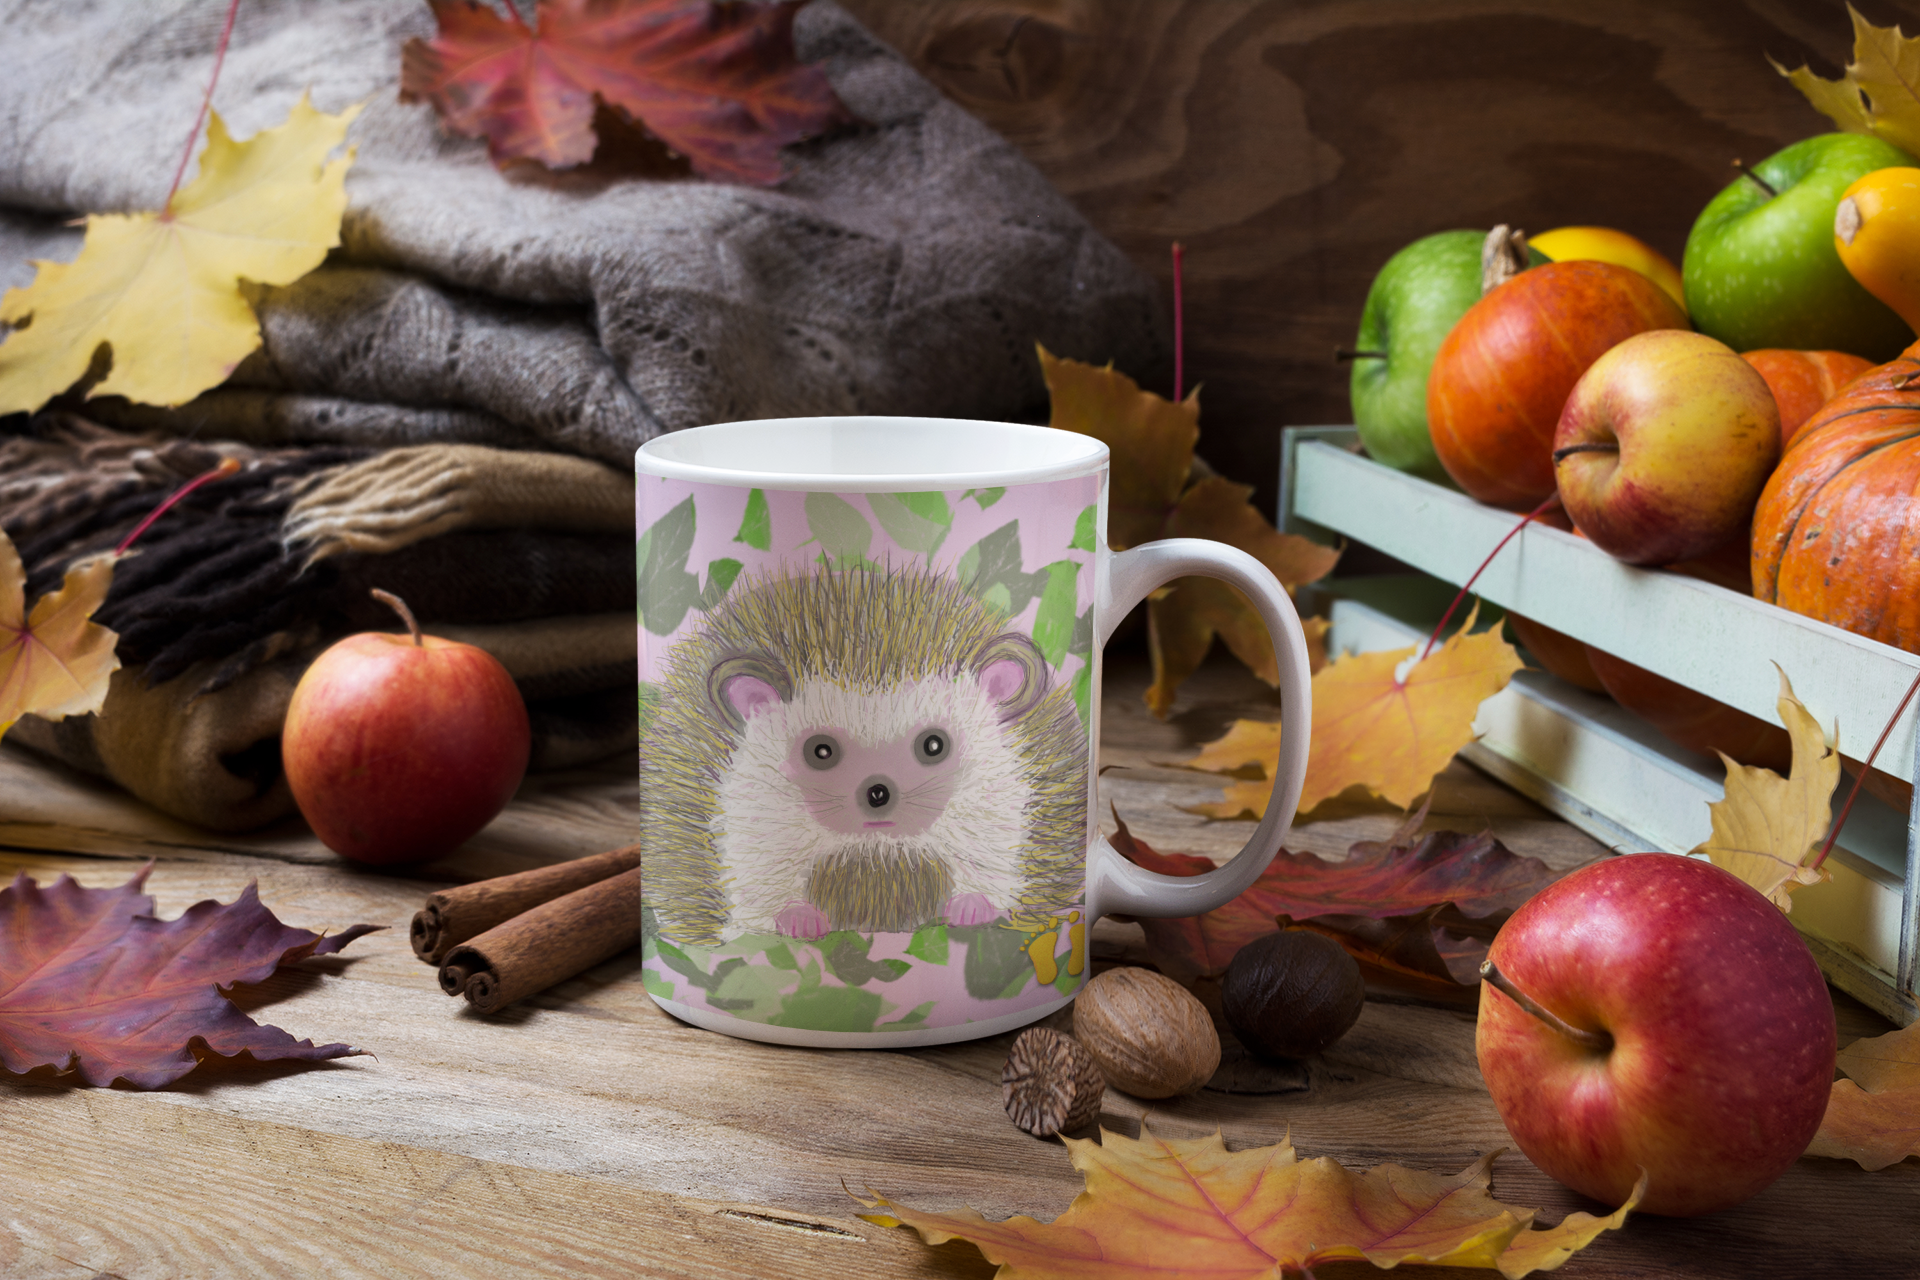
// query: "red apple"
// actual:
[[1664, 446], [1504, 371], [1678, 1024], [400, 747]]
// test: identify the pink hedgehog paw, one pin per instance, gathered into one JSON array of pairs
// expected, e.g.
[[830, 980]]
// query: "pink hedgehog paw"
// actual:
[[970, 908], [801, 920]]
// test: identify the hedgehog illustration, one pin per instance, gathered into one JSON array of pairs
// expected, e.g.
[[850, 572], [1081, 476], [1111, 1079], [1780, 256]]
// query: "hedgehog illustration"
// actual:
[[858, 749]]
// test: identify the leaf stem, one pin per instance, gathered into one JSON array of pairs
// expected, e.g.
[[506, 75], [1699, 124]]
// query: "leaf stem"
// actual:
[[1552, 500], [1833, 832], [226, 468], [1597, 1041], [1755, 178], [1179, 318], [206, 104]]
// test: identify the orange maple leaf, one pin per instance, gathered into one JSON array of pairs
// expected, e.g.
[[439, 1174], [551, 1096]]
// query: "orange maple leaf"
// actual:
[[1156, 489], [1175, 1209], [716, 82], [1392, 733], [1873, 1118], [54, 662], [1388, 732]]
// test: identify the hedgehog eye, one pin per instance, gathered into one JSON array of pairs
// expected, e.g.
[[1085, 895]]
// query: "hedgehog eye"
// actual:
[[932, 746], [821, 751]]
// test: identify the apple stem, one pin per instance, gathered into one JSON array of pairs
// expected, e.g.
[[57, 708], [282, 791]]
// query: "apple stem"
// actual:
[[226, 468], [1179, 318], [1597, 1041], [1833, 832], [1343, 355], [1756, 179], [1503, 255], [1592, 446], [399, 606], [1552, 500], [206, 103]]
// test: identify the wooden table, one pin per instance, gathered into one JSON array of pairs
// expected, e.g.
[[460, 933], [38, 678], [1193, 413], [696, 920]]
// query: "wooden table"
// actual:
[[585, 1133]]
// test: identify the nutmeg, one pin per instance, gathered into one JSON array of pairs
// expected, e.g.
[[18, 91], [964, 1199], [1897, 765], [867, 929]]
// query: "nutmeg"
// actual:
[[1291, 994], [1051, 1084], [1149, 1034]]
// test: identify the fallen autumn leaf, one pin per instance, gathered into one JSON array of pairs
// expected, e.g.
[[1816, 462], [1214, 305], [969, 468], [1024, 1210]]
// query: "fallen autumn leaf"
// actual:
[[162, 290], [1173, 1209], [54, 662], [91, 982], [1766, 828], [718, 83], [1873, 1117]]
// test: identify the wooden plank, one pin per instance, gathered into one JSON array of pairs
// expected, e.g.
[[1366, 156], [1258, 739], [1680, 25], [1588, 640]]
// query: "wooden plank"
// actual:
[[1293, 147], [553, 817], [174, 1192]]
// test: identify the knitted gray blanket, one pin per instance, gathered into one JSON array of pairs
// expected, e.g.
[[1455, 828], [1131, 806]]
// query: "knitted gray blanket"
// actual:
[[907, 266]]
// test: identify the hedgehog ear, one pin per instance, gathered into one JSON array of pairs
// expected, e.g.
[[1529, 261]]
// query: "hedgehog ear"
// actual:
[[1013, 672], [744, 685]]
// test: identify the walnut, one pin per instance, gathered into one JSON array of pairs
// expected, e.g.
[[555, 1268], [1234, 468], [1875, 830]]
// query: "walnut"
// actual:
[[1051, 1083], [1148, 1033]]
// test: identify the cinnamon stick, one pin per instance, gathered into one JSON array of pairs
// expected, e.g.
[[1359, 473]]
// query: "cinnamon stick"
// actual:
[[552, 942], [452, 916]]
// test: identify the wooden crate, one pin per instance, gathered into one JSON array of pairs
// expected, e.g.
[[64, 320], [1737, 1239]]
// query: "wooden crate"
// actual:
[[1593, 763]]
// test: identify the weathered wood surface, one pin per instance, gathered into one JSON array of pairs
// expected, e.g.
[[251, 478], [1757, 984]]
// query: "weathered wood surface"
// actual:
[[586, 1133], [1293, 147]]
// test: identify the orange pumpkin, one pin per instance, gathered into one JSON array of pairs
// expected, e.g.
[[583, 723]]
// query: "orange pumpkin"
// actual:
[[1836, 535], [1803, 381]]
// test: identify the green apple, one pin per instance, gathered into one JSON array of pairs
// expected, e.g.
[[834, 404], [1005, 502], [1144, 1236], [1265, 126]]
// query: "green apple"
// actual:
[[1417, 297], [1760, 268]]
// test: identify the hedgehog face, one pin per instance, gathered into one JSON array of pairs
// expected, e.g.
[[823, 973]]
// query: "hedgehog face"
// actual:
[[850, 778], [899, 786]]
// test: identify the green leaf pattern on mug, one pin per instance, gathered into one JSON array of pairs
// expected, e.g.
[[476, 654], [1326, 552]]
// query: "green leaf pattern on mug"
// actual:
[[917, 521], [1083, 529], [833, 983], [843, 533], [1053, 625], [756, 522], [665, 589]]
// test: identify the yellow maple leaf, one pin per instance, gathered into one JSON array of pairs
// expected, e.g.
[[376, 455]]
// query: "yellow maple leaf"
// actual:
[[162, 290], [1174, 1209], [1389, 733], [1767, 827], [54, 662], [1873, 1118], [1880, 93]]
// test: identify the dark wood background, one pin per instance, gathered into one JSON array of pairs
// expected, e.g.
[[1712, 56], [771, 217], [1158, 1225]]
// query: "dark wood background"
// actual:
[[1293, 145]]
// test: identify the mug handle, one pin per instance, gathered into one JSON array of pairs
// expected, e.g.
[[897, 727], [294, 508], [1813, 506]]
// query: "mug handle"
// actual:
[[1115, 885]]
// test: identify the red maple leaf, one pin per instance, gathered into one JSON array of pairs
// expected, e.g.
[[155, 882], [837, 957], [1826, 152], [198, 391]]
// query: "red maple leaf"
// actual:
[[91, 981], [718, 83], [1474, 877]]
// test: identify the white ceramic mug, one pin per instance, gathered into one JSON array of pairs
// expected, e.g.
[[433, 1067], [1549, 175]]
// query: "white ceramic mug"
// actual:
[[870, 703]]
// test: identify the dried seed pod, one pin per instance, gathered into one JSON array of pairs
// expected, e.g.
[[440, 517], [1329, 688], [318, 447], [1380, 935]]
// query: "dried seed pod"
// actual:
[[1291, 994], [1149, 1034], [1051, 1084]]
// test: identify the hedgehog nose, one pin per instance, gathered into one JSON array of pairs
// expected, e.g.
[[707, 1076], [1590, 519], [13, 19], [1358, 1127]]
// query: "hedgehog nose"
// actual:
[[876, 794]]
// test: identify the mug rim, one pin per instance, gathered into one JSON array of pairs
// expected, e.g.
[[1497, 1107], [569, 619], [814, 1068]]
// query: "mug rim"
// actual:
[[1070, 455]]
